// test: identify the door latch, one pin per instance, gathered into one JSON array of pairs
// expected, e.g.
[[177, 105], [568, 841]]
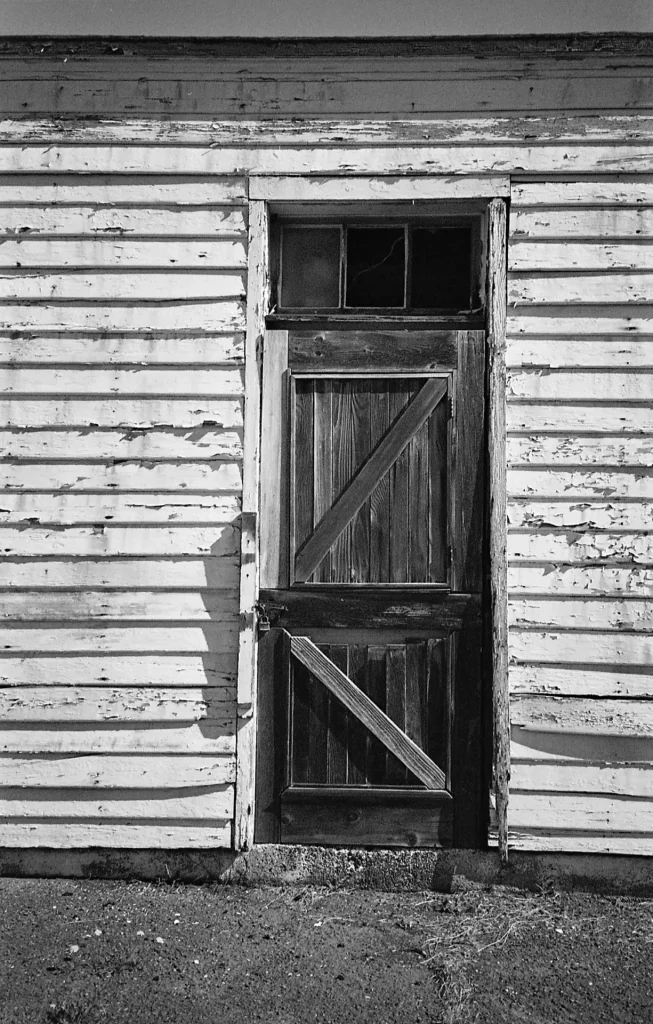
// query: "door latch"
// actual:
[[267, 615]]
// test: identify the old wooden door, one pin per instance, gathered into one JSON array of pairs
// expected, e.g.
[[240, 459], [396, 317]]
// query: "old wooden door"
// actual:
[[372, 507]]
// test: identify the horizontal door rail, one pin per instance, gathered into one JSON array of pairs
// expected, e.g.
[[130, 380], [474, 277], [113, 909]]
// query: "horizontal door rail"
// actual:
[[367, 712]]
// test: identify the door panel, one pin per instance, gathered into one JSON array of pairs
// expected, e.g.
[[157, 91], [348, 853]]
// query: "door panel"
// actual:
[[373, 511]]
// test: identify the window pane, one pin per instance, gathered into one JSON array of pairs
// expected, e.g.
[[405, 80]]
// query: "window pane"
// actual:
[[310, 267], [375, 267], [441, 267]]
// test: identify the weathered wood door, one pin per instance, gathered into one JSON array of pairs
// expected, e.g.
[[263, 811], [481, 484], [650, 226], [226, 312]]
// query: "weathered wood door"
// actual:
[[372, 508]]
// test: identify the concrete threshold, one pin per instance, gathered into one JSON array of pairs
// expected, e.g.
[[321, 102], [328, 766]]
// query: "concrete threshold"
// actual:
[[387, 870]]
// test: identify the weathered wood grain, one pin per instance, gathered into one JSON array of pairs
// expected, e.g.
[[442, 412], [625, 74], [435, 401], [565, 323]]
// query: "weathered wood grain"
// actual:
[[572, 681], [593, 780], [115, 222], [227, 381], [285, 188], [33, 283], [110, 772], [545, 255], [210, 638], [581, 842], [121, 669], [577, 715], [588, 322], [98, 541], [212, 350], [599, 614], [581, 812], [580, 580], [577, 547], [196, 574], [138, 605], [600, 192], [207, 738], [560, 288], [601, 355], [560, 647], [123, 474], [29, 253], [552, 385], [617, 222], [74, 835], [194, 805], [274, 568], [562, 418], [137, 191]]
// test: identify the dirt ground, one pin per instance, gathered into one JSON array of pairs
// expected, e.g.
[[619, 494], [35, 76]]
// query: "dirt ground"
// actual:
[[84, 952]]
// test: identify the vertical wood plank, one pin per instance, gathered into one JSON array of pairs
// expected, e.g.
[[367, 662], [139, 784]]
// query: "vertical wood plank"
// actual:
[[343, 470], [338, 723], [300, 719], [468, 474], [496, 300], [380, 497], [360, 527], [357, 739], [269, 747], [375, 759], [303, 463], [396, 706], [318, 725], [418, 508], [438, 493], [257, 305], [401, 393], [416, 709], [439, 705], [274, 462], [323, 467]]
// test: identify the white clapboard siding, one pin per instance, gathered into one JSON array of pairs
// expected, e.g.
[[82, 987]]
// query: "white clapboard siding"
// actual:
[[191, 804], [173, 771], [137, 474], [216, 350], [121, 415], [66, 835], [580, 544], [124, 253], [93, 668], [124, 574], [124, 704]]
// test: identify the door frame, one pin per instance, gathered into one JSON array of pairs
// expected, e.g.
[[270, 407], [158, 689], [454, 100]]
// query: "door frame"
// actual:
[[265, 192]]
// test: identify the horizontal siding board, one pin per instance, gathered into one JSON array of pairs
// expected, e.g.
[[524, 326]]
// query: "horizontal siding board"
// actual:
[[122, 253], [75, 835], [560, 648], [213, 350], [133, 575], [136, 411], [574, 547], [545, 255], [185, 316], [567, 386], [89, 220], [118, 541], [601, 484], [568, 580], [619, 354], [227, 381], [71, 509], [574, 681], [147, 192], [194, 805], [569, 322], [578, 289], [210, 638], [124, 704], [95, 668], [579, 451], [599, 193], [121, 285], [581, 812], [593, 780], [109, 772], [140, 605], [202, 443], [546, 841], [597, 614], [613, 418], [600, 748], [206, 738], [608, 222], [607, 515], [555, 157], [576, 715]]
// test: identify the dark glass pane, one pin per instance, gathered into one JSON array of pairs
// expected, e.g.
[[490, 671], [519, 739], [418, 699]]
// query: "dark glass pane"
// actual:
[[441, 263], [375, 267], [310, 267]]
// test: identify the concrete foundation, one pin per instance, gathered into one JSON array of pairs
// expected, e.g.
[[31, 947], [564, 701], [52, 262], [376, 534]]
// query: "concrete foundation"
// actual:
[[389, 870]]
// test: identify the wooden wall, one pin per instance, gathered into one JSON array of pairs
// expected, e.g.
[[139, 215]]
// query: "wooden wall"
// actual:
[[580, 511], [121, 352], [124, 177]]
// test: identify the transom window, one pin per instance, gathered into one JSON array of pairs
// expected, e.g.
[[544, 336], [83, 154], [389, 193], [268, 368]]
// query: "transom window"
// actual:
[[404, 267]]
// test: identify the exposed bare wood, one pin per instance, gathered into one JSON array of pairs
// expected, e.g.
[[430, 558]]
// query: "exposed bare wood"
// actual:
[[115, 508], [603, 748], [97, 541], [613, 418], [621, 353], [560, 288], [162, 316], [579, 451], [207, 738], [212, 350], [116, 222], [274, 455], [126, 704], [591, 485], [600, 192], [140, 605], [203, 444], [577, 547], [581, 842], [595, 780], [201, 805], [608, 222], [137, 474], [280, 188], [592, 322], [133, 381], [102, 253], [74, 835], [632, 615], [585, 515], [133, 575], [574, 681], [110, 772], [133, 411], [611, 649], [496, 299], [586, 580], [146, 193], [368, 712], [551, 256], [581, 812], [211, 639], [163, 286]]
